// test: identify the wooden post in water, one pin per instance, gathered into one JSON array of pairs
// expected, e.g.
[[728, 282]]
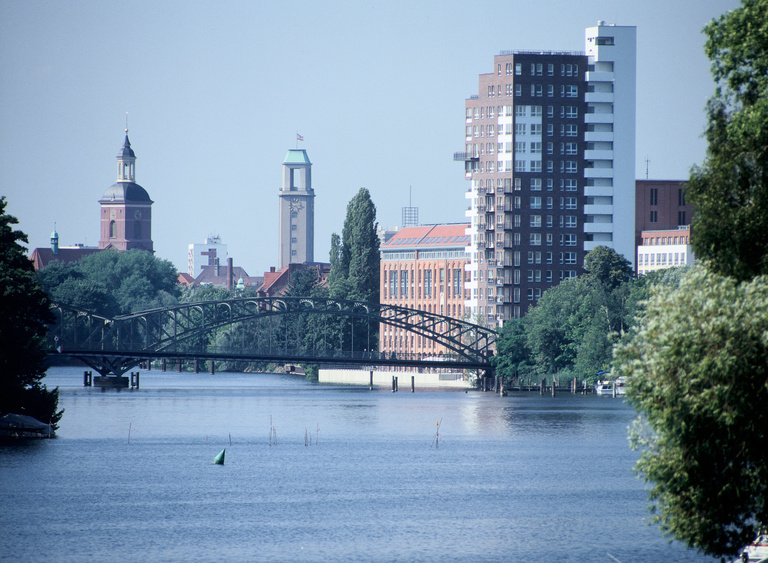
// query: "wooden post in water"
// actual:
[[542, 386], [179, 365], [394, 384], [162, 364], [197, 366], [213, 368], [613, 389], [413, 383], [87, 379], [370, 377], [554, 386]]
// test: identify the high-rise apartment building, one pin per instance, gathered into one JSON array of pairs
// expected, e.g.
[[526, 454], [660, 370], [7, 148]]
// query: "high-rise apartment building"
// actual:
[[550, 156]]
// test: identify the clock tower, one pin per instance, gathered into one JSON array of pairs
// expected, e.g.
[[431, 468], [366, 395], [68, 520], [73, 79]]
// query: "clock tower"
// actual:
[[297, 210], [126, 210]]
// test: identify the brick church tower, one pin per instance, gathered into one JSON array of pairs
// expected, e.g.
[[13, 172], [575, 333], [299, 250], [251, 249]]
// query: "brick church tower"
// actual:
[[126, 210]]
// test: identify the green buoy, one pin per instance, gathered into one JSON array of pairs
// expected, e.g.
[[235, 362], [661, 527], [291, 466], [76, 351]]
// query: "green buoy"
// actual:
[[219, 459]]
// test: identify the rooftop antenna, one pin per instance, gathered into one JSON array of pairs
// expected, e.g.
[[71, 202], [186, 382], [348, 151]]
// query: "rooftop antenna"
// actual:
[[410, 214], [126, 122], [647, 160]]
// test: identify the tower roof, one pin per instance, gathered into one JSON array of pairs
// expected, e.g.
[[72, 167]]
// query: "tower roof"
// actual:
[[295, 156], [125, 192], [126, 151]]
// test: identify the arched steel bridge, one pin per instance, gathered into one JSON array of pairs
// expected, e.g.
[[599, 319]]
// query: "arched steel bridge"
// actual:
[[266, 329]]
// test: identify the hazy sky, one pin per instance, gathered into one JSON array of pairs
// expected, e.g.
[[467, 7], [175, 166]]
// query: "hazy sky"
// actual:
[[216, 92]]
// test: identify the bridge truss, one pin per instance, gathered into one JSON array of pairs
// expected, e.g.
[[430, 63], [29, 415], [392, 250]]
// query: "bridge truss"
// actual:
[[271, 329]]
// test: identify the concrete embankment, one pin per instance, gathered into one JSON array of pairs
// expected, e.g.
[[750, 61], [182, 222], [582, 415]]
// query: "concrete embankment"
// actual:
[[384, 378]]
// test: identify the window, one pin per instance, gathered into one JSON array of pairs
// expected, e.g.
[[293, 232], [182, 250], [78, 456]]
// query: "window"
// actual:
[[536, 184], [681, 218], [571, 130], [520, 165], [550, 148], [570, 203], [654, 192], [516, 221], [570, 148], [549, 203], [112, 229], [550, 166], [539, 68], [654, 216], [520, 128], [490, 112], [518, 69], [570, 257], [535, 221], [570, 185], [519, 148], [550, 70], [294, 239], [681, 197], [294, 227], [549, 221], [536, 148], [571, 112], [521, 111], [393, 284], [536, 164], [535, 239], [491, 132], [570, 240], [427, 283], [535, 111], [604, 40], [550, 91], [293, 253], [570, 167], [536, 129], [550, 130], [570, 221], [571, 91], [403, 283], [518, 89], [535, 202]]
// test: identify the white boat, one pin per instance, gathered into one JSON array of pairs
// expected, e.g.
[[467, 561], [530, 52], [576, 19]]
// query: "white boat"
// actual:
[[756, 552], [607, 386]]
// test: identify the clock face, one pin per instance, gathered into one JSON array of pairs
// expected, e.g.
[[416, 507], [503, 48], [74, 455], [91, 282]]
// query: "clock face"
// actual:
[[137, 214]]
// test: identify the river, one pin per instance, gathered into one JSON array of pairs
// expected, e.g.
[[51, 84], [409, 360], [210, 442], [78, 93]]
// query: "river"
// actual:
[[351, 475]]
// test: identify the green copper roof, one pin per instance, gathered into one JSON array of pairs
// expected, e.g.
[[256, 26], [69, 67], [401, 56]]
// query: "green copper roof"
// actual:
[[297, 156]]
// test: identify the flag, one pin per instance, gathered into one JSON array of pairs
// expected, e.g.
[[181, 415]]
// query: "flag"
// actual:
[[299, 137]]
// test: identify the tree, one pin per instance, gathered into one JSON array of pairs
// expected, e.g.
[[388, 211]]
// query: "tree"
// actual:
[[698, 375], [512, 353], [729, 231], [607, 267], [113, 283], [355, 269], [24, 315], [355, 258]]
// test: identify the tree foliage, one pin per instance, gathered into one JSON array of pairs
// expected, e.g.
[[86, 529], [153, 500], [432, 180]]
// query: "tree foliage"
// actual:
[[729, 231], [355, 257], [113, 283], [355, 270], [24, 315], [698, 374]]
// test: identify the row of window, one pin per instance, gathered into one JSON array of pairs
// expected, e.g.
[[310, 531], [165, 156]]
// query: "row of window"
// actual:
[[566, 166], [537, 69], [522, 110], [533, 129], [662, 259], [653, 241], [537, 90], [505, 185], [423, 285]]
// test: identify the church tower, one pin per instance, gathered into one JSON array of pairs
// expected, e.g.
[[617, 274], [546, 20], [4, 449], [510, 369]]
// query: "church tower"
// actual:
[[126, 210], [297, 210]]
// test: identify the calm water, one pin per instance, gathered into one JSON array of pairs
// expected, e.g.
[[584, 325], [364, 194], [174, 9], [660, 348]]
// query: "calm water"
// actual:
[[521, 478]]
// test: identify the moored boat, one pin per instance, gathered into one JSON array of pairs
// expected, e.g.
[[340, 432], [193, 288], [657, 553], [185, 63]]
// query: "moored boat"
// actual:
[[756, 552]]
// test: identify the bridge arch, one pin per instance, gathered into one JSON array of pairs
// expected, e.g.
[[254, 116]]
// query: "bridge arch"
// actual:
[[182, 331]]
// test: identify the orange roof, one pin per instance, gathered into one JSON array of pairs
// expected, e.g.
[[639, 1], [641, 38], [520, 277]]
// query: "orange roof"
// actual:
[[439, 236]]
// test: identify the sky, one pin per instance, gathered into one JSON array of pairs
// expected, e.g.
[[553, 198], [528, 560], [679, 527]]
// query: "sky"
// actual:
[[216, 92]]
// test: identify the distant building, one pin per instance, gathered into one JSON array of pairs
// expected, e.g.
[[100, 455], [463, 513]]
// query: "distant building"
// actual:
[[125, 218], [209, 253], [297, 210], [659, 250], [276, 282], [41, 257], [126, 210], [423, 268], [549, 154]]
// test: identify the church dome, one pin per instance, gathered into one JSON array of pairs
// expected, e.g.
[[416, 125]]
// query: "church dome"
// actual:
[[127, 192]]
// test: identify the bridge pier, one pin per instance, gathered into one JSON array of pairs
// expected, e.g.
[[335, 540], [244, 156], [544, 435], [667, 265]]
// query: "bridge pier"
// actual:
[[87, 379]]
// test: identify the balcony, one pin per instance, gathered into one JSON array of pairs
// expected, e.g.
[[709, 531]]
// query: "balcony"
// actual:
[[598, 118], [598, 172], [598, 210], [598, 155], [465, 157], [598, 97], [598, 136], [599, 76]]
